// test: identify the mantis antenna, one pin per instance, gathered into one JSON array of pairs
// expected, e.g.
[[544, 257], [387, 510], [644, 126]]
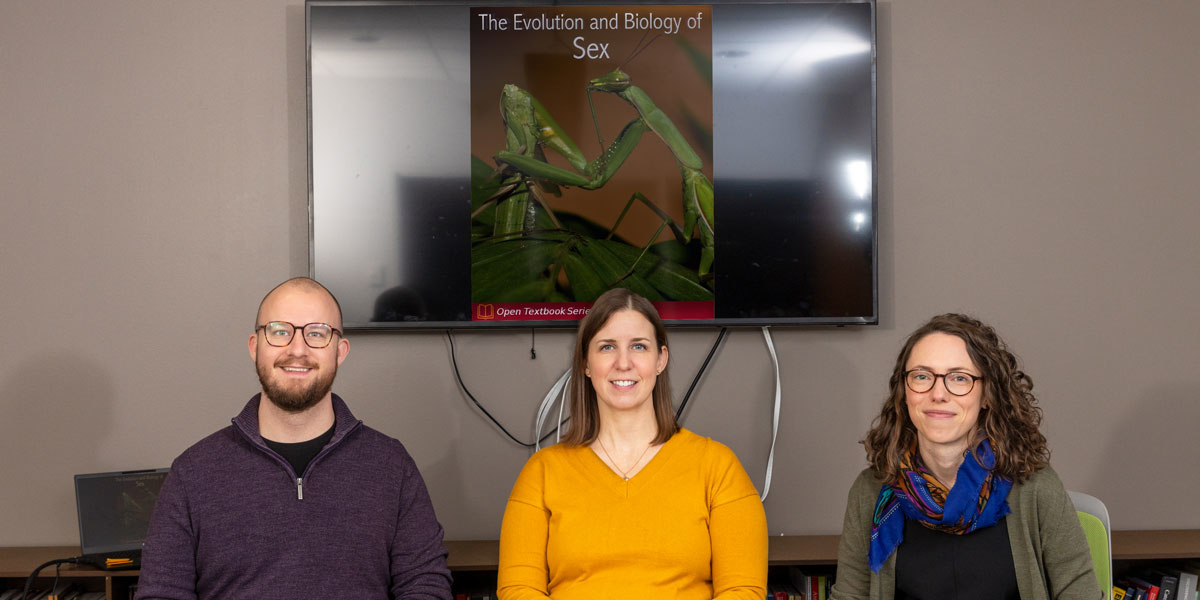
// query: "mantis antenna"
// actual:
[[638, 48]]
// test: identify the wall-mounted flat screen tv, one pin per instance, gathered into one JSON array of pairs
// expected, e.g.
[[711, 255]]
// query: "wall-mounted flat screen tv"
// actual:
[[501, 165]]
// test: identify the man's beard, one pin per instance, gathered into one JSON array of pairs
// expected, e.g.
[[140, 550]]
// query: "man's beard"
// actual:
[[295, 400]]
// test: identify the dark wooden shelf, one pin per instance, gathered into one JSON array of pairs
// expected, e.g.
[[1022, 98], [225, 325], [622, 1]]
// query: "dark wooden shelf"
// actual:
[[802, 549], [484, 555], [1156, 544], [478, 555], [473, 555], [18, 562]]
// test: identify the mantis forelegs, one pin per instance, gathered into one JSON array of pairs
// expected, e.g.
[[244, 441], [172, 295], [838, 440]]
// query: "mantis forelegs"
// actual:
[[697, 189], [530, 128]]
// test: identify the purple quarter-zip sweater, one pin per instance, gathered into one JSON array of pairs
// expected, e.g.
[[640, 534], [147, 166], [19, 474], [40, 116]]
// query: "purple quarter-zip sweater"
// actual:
[[234, 520]]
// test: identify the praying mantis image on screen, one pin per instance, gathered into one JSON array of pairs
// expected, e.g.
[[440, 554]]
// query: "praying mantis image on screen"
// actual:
[[523, 249]]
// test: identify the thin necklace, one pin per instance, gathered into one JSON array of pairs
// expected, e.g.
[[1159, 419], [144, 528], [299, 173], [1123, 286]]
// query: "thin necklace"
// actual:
[[624, 473]]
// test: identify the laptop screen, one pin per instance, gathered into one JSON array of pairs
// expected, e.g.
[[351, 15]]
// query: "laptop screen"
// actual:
[[114, 508]]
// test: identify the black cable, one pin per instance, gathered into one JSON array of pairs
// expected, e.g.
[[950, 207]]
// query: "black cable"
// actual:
[[703, 368], [458, 375], [532, 340], [34, 574], [57, 572]]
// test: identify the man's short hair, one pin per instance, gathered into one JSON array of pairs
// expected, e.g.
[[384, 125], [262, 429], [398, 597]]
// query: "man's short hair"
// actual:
[[304, 283]]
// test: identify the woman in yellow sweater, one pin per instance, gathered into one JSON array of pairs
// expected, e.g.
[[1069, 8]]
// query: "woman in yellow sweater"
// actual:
[[630, 505]]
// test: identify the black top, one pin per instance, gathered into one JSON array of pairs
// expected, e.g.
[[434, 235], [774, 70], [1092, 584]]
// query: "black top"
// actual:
[[299, 454], [933, 565]]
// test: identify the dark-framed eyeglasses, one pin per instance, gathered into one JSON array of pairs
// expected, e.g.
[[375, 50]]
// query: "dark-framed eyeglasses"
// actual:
[[956, 382], [316, 335]]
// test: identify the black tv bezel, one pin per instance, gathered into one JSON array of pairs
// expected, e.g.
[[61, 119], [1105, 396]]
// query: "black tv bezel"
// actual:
[[384, 326]]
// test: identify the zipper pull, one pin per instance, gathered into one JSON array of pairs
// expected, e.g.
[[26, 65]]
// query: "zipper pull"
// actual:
[[299, 488]]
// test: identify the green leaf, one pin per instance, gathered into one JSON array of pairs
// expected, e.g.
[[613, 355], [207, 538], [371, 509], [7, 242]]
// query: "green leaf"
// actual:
[[673, 281], [586, 283], [583, 225], [484, 182], [610, 268], [677, 253], [505, 270]]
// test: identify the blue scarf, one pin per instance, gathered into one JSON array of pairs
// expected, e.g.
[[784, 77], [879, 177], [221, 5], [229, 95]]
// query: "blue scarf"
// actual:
[[978, 499]]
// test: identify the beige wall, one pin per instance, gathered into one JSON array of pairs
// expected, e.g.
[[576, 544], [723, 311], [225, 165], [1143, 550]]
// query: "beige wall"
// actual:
[[1037, 167]]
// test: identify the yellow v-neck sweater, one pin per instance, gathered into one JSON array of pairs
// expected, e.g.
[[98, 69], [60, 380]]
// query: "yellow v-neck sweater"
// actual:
[[688, 526]]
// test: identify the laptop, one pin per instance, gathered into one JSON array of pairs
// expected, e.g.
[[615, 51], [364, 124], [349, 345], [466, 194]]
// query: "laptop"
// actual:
[[114, 514]]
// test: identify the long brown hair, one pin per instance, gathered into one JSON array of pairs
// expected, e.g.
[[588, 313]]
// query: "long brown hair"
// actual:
[[1009, 416], [585, 414]]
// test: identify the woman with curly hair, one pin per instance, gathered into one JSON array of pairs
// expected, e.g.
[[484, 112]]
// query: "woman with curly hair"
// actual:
[[959, 500]]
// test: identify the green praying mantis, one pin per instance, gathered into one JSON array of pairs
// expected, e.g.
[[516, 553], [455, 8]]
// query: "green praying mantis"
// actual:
[[529, 128]]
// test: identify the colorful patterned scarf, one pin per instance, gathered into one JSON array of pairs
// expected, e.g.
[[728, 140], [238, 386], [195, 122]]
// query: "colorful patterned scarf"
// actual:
[[978, 499]]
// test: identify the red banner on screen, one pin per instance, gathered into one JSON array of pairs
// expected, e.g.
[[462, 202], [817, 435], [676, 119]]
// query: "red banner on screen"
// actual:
[[573, 311]]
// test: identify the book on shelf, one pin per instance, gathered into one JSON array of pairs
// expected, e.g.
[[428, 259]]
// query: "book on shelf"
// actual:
[[1143, 585], [59, 591], [62, 590], [475, 596], [1189, 582], [1168, 584], [1133, 593], [814, 586], [801, 581], [783, 591], [818, 587]]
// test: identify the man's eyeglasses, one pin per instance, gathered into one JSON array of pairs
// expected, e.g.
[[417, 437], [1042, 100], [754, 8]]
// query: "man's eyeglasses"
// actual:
[[316, 335], [957, 382]]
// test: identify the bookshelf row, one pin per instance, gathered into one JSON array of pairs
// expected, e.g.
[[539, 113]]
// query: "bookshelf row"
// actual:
[[474, 562]]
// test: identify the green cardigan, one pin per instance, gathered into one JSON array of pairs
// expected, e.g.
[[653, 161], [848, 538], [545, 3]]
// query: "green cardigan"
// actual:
[[1049, 550]]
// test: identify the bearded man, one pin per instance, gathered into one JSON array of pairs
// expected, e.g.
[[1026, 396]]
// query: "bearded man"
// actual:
[[297, 498]]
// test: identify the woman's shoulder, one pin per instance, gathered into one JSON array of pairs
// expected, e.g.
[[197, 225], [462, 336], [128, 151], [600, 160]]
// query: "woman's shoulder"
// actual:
[[867, 483], [704, 454], [867, 475], [1046, 474], [557, 452], [552, 458], [1042, 493], [686, 441], [548, 463], [687, 436], [714, 464], [1044, 480]]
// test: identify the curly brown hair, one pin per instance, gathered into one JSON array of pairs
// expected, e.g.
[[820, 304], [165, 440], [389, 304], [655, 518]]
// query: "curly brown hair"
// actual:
[[1008, 417]]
